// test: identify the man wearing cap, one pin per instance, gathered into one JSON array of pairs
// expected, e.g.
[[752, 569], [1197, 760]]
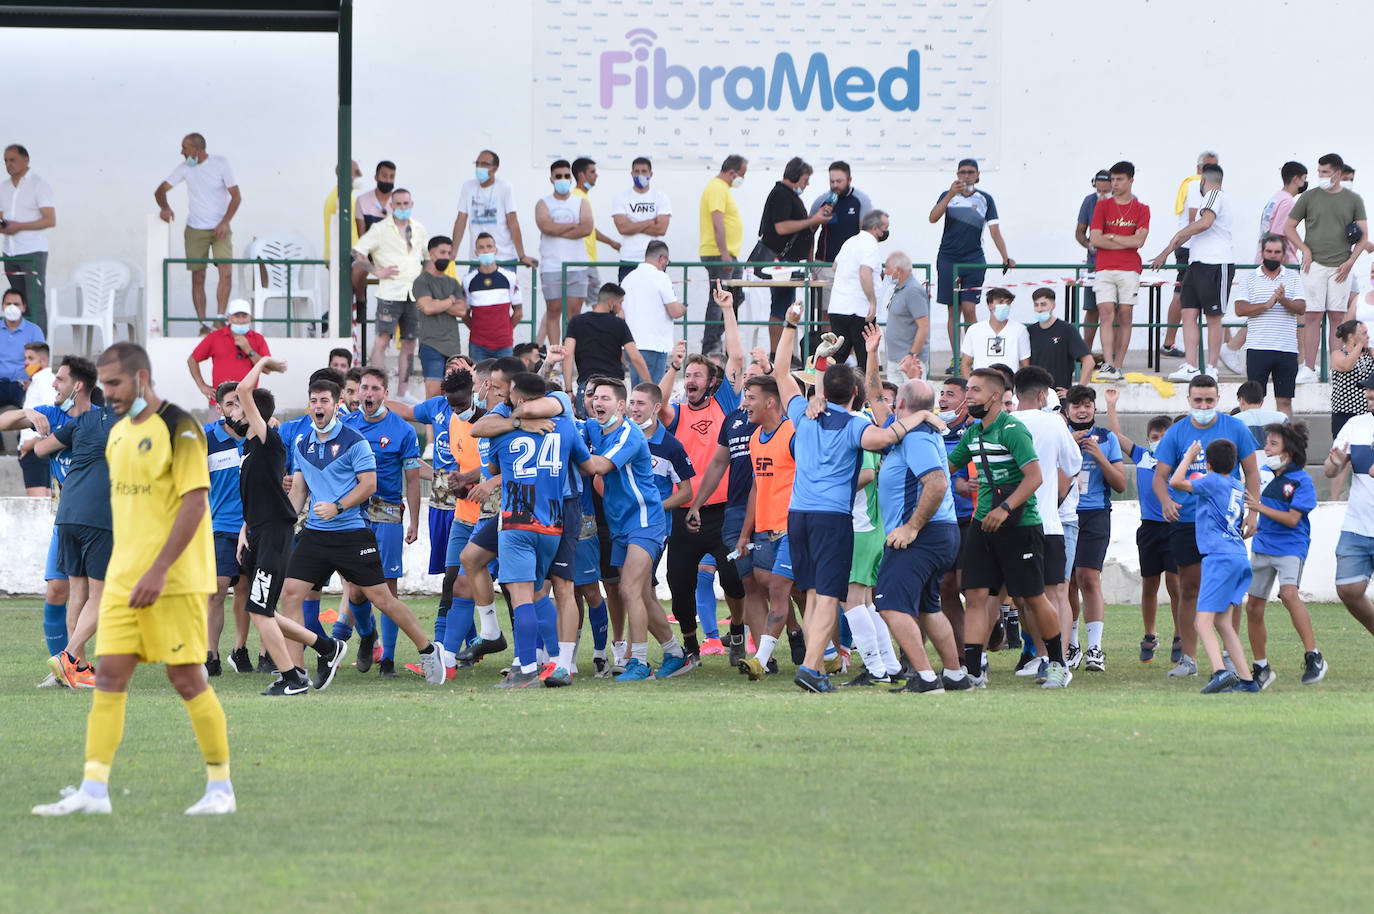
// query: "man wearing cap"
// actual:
[[233, 350], [966, 210], [1102, 189]]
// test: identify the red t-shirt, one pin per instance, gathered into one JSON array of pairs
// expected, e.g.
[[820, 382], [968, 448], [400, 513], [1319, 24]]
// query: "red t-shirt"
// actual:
[[1114, 219], [227, 361]]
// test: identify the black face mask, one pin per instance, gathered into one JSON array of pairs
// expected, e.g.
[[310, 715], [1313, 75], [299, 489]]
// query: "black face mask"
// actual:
[[385, 187], [1080, 426], [239, 428], [441, 264], [1303, 189], [977, 410], [1271, 265], [883, 236]]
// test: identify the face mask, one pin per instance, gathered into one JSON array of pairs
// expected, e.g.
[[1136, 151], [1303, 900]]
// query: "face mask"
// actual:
[[738, 182], [356, 182], [13, 313], [466, 414], [139, 404], [67, 404], [798, 190], [483, 174], [32, 369], [326, 429], [1080, 426], [1203, 416], [1044, 317], [977, 410], [402, 214], [385, 187], [1151, 446], [646, 425], [1303, 189], [1001, 312], [486, 259], [1274, 462], [239, 428], [376, 414], [642, 182], [562, 186], [948, 415], [441, 264], [1271, 265], [239, 329], [192, 161], [608, 421], [1325, 183], [884, 236]]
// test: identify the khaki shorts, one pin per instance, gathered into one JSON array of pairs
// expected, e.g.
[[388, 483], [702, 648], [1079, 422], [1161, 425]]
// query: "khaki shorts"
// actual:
[[201, 242], [1323, 292], [1116, 286], [171, 631]]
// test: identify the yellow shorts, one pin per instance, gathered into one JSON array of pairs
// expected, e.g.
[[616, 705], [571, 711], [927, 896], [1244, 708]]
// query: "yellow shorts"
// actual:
[[171, 631], [201, 242]]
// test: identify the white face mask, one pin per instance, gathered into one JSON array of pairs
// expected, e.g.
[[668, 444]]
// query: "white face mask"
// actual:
[[13, 313], [1325, 183], [1274, 462], [738, 182]]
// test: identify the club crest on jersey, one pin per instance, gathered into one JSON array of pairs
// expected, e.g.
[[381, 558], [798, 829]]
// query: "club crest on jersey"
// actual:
[[384, 441], [1288, 490], [333, 450], [145, 445]]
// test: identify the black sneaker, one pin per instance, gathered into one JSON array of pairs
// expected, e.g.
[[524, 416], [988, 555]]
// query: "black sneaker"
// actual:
[[212, 665], [481, 647], [365, 645], [1313, 668], [867, 679], [1025, 660], [387, 669], [772, 668], [998, 637], [326, 667], [240, 661], [519, 680], [293, 685], [917, 684], [810, 680], [797, 642], [266, 666], [1014, 642], [1176, 651], [962, 684]]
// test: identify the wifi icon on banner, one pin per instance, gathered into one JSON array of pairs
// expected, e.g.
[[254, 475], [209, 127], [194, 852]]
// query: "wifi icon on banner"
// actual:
[[641, 40]]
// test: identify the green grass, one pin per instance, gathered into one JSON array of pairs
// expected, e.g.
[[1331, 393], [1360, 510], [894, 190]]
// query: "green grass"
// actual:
[[1128, 792]]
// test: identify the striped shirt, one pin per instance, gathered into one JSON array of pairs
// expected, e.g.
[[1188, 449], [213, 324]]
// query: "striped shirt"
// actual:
[[491, 298], [1007, 448], [1274, 330]]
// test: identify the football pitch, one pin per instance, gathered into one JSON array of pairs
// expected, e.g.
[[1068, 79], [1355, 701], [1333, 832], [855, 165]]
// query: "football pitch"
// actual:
[[1129, 791]]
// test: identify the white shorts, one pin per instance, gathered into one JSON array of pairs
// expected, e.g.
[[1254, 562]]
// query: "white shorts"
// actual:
[[1116, 286], [1322, 290]]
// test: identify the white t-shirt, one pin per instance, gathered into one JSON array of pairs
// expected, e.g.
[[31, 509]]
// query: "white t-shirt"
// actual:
[[1274, 330], [1358, 436], [639, 208], [1193, 200], [40, 393], [988, 347], [555, 250], [22, 204], [207, 190], [1214, 245], [647, 291], [847, 294], [487, 209], [1057, 451]]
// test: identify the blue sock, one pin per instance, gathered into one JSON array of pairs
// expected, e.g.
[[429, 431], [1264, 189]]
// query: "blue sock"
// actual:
[[846, 635], [547, 615], [526, 631], [389, 631], [706, 603], [55, 627], [441, 620], [601, 623], [341, 629], [461, 620], [362, 618], [311, 611]]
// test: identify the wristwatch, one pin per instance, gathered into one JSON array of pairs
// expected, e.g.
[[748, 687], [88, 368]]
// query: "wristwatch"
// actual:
[[516, 422], [338, 508]]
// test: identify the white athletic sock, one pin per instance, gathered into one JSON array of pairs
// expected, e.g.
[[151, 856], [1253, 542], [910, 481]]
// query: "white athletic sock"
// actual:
[[98, 789], [622, 651], [542, 655], [223, 786], [955, 674], [566, 651], [640, 651], [528, 667], [926, 675], [1261, 662], [1073, 635], [765, 652], [671, 648], [599, 655], [1095, 635], [890, 662], [865, 639], [488, 629]]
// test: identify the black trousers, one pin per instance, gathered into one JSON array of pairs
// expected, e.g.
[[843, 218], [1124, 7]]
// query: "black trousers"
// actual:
[[851, 327], [686, 548]]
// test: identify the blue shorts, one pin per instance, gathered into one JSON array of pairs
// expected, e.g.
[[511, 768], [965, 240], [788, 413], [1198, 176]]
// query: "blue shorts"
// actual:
[[1225, 582], [432, 364], [1354, 558], [650, 539], [587, 563], [82, 551], [226, 556], [822, 548], [909, 579], [564, 563], [458, 535], [50, 570], [526, 556], [732, 525], [390, 542], [970, 281], [772, 555], [440, 522]]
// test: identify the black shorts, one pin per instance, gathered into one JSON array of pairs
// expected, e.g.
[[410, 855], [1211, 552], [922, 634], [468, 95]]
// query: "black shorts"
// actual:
[[1183, 545], [1010, 557], [565, 560], [1152, 543], [264, 565], [1094, 533], [82, 551], [1054, 559], [487, 534], [352, 553], [37, 471], [964, 524], [822, 547], [1181, 258], [226, 556], [610, 574], [1207, 287], [1261, 363], [909, 579]]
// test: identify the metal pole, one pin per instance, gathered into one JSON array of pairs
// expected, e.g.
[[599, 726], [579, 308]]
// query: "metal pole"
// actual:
[[344, 230]]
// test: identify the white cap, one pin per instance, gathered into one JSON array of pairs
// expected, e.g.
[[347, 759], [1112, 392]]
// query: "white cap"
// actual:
[[240, 306]]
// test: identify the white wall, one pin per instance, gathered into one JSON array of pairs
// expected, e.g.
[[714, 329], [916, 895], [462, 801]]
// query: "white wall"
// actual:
[[1082, 86]]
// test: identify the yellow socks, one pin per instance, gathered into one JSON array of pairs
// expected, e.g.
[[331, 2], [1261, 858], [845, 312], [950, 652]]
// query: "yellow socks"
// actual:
[[212, 733], [104, 730]]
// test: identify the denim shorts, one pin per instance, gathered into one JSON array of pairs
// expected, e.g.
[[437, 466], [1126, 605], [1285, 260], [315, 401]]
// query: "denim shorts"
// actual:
[[1354, 558]]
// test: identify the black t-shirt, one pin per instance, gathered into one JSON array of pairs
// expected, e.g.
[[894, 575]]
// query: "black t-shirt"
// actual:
[[735, 433], [601, 338], [260, 475], [1057, 349], [783, 205]]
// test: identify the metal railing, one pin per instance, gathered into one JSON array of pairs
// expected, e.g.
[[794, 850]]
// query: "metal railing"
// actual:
[[168, 319]]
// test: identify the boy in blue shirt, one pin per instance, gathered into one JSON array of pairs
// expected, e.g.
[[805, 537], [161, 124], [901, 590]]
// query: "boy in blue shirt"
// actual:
[[1281, 545], [1218, 507], [224, 453]]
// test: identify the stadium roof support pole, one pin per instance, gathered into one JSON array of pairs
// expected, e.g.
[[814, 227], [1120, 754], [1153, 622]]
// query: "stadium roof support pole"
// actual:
[[344, 230]]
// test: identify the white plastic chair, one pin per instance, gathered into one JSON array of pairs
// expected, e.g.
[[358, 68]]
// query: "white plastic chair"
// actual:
[[100, 292], [269, 280]]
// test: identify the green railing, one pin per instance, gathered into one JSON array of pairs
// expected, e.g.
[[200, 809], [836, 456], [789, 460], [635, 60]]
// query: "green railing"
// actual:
[[1155, 303], [168, 319]]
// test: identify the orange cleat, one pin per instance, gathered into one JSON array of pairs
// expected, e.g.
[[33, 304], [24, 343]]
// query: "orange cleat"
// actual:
[[547, 669], [63, 666], [85, 679], [711, 647]]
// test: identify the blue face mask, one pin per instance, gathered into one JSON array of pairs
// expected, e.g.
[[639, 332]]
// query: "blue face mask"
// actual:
[[483, 174], [139, 405], [486, 258], [402, 213], [192, 161], [1001, 312], [1044, 317], [325, 430], [376, 414], [67, 404], [608, 422], [642, 182], [239, 329], [562, 186], [1203, 416], [798, 190]]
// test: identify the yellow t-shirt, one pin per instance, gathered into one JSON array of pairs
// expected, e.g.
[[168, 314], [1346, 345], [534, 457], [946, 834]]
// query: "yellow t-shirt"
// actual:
[[717, 198], [590, 240], [152, 465], [331, 212]]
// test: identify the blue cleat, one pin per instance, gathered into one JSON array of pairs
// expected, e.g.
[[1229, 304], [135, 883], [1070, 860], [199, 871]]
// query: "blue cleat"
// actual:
[[812, 681], [1221, 681], [676, 666], [635, 671], [1245, 685]]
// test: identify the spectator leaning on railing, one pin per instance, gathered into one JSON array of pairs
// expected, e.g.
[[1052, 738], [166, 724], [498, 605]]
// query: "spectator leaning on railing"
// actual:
[[233, 350]]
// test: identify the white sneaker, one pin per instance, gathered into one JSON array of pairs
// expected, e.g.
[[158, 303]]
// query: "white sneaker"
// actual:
[[1185, 372], [1029, 669], [1306, 375], [432, 664], [1213, 372], [1059, 677], [1107, 373], [1233, 359], [214, 803], [51, 681], [74, 802]]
